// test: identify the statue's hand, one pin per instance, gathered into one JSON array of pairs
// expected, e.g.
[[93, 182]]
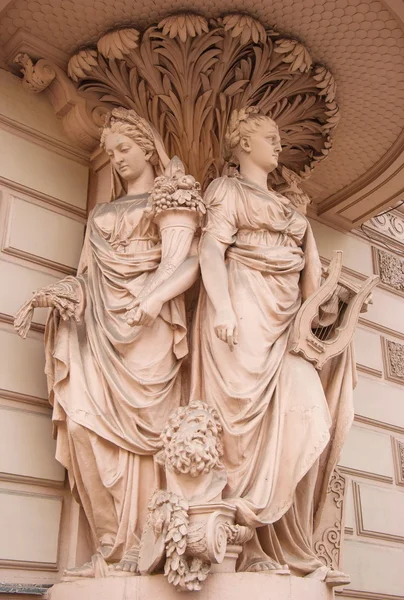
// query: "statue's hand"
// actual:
[[226, 327], [144, 311], [61, 296]]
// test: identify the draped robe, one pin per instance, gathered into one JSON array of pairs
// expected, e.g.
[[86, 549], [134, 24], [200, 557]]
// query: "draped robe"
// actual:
[[114, 386], [279, 418]]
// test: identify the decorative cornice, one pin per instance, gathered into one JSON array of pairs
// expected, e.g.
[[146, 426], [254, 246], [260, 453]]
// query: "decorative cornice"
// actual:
[[24, 42], [387, 228]]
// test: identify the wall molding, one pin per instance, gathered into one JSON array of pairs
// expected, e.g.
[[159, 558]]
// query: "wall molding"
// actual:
[[6, 248], [365, 474], [29, 480], [26, 589], [9, 320], [378, 424], [381, 328], [361, 595], [25, 398], [28, 565], [361, 530], [38, 260], [398, 456], [369, 370], [37, 195], [45, 141]]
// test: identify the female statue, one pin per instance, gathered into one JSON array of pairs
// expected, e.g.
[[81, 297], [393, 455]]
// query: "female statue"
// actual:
[[115, 340], [259, 262]]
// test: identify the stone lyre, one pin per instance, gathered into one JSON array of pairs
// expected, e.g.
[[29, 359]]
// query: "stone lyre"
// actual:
[[316, 342]]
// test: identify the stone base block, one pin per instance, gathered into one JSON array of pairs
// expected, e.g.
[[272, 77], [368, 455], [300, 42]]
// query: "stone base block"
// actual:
[[218, 586]]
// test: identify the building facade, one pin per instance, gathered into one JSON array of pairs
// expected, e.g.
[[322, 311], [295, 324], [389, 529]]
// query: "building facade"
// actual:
[[48, 182]]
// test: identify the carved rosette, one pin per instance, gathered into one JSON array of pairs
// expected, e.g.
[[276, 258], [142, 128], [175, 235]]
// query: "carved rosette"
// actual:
[[231, 62]]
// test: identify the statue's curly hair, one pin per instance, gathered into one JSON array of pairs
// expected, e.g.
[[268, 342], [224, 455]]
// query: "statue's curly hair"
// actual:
[[242, 123], [197, 452], [129, 123]]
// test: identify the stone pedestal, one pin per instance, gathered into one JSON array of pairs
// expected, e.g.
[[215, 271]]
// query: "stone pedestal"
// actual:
[[218, 586]]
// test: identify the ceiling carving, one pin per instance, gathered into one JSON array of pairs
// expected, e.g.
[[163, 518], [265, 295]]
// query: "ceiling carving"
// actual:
[[360, 42]]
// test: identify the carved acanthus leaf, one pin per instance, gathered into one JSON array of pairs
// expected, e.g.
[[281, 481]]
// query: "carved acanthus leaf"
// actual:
[[295, 54], [184, 25], [245, 27], [81, 64], [118, 44], [231, 62]]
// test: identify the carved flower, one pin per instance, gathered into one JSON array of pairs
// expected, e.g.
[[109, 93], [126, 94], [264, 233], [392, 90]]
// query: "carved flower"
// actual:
[[246, 27], [119, 43], [183, 25], [81, 64], [294, 53], [326, 83]]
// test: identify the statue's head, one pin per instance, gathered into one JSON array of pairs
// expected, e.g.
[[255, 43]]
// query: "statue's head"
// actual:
[[133, 146], [191, 440], [254, 137]]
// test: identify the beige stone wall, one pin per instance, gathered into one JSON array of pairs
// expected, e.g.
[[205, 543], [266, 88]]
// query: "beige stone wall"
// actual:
[[373, 456], [43, 193]]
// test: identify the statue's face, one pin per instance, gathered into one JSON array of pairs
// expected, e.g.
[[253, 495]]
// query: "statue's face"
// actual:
[[126, 156], [263, 146]]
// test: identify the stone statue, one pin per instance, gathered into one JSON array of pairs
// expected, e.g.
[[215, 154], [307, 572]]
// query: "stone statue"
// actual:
[[283, 424], [116, 337]]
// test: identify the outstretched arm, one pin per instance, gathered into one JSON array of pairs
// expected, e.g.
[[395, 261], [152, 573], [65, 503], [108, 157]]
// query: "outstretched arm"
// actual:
[[215, 280]]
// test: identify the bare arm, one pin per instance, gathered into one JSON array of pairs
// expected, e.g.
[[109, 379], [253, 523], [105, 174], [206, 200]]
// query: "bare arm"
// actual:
[[215, 280], [147, 308]]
